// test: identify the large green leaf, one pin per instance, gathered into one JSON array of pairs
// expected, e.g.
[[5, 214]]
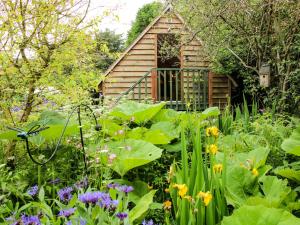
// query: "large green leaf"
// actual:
[[260, 215], [210, 112], [132, 153], [292, 144], [167, 128], [289, 173], [241, 184], [140, 112], [275, 190], [141, 207], [165, 115], [160, 133], [109, 127]]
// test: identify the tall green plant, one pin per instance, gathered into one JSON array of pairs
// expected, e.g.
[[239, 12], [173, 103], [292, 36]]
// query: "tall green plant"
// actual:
[[197, 185]]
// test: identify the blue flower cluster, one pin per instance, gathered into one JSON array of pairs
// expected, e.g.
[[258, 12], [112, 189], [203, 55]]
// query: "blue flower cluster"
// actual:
[[66, 212], [123, 188], [30, 220], [122, 215], [33, 190], [149, 222], [65, 194]]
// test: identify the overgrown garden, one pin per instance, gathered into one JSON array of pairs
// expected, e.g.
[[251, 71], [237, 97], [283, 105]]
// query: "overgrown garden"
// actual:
[[66, 159]]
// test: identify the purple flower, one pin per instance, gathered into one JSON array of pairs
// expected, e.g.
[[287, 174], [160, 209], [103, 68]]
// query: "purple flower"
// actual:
[[105, 201], [69, 222], [15, 109], [150, 222], [13, 220], [33, 190], [66, 212], [30, 220], [113, 185], [121, 215], [91, 197], [65, 194], [81, 184], [82, 221], [126, 189]]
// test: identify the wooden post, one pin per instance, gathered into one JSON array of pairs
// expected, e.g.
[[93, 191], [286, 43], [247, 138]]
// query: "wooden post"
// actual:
[[154, 85], [210, 88]]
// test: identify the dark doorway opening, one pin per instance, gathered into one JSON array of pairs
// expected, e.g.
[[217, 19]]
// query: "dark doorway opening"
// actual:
[[168, 64]]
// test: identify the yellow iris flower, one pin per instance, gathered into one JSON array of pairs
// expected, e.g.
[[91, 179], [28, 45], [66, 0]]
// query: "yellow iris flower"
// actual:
[[167, 205], [213, 149], [182, 189], [205, 196], [212, 131], [218, 168]]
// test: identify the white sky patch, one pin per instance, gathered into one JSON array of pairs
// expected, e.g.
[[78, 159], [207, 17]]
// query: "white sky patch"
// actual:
[[125, 10]]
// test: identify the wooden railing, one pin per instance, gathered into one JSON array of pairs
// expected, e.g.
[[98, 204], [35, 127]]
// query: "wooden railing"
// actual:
[[181, 88]]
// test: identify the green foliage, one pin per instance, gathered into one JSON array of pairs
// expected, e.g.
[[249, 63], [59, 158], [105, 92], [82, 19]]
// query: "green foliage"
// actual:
[[292, 144], [138, 112], [144, 17], [131, 153], [141, 207], [239, 38], [260, 215], [109, 46]]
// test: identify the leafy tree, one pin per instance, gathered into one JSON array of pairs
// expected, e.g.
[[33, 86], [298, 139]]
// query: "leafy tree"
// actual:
[[143, 18], [109, 45], [241, 36], [44, 58]]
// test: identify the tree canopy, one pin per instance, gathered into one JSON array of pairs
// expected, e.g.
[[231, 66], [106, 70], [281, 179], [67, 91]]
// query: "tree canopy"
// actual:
[[44, 46], [241, 36], [144, 17], [109, 46]]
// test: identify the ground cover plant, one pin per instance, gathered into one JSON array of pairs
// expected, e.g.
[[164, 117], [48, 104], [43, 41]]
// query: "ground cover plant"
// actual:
[[207, 173]]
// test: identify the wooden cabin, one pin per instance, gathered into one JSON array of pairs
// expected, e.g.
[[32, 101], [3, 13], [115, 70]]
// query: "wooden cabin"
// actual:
[[167, 63]]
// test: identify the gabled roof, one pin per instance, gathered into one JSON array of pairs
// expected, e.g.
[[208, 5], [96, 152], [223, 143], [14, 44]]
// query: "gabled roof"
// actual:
[[167, 9]]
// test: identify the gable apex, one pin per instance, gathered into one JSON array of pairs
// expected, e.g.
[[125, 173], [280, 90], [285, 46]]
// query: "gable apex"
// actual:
[[168, 9]]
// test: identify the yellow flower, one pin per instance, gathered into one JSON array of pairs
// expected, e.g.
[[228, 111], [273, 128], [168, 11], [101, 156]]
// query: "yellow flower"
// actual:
[[255, 172], [189, 198], [212, 131], [213, 149], [205, 196], [182, 189], [167, 205], [218, 168]]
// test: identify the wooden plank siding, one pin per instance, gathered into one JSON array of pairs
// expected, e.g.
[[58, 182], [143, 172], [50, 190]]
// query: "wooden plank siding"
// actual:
[[141, 57]]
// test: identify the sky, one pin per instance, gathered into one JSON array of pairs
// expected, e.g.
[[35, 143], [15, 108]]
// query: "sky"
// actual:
[[125, 10]]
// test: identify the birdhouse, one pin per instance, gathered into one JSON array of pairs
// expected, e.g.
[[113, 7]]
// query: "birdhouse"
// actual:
[[264, 75]]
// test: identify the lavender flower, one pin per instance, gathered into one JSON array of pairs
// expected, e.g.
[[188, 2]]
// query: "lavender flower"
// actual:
[[30, 220], [150, 222], [81, 184], [65, 194], [113, 185], [126, 189], [91, 197], [66, 212], [69, 222], [33, 190], [105, 201], [122, 215]]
